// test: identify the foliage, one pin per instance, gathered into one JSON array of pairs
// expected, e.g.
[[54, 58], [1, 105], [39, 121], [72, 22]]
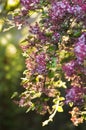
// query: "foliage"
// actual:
[[55, 52]]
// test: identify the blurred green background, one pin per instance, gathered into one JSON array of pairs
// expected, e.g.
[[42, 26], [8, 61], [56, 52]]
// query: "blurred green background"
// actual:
[[11, 70]]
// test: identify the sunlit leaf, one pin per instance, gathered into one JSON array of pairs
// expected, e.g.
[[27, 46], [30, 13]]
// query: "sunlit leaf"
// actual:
[[59, 109]]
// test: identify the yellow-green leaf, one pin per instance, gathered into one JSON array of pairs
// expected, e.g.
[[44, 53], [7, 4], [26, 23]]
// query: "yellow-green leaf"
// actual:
[[71, 104], [59, 109]]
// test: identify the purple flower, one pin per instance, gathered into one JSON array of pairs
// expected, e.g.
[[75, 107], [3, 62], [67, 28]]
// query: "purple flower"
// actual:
[[80, 48], [34, 29], [58, 9], [76, 9], [75, 95], [38, 33], [56, 36], [29, 4], [82, 38], [84, 7], [41, 63], [62, 8], [69, 68]]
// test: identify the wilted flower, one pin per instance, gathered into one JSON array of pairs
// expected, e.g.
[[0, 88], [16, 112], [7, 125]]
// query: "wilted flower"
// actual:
[[24, 47], [30, 64], [76, 117], [42, 107]]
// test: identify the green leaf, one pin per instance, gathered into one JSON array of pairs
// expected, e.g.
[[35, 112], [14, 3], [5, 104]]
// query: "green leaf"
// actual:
[[51, 74], [77, 33], [54, 63], [14, 95]]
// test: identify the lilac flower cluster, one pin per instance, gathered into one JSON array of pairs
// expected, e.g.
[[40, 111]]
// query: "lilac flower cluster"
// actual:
[[36, 63], [75, 71], [34, 29], [75, 95], [29, 4], [69, 68], [59, 9], [80, 48], [39, 34], [56, 36], [41, 63], [79, 2], [84, 7], [77, 66]]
